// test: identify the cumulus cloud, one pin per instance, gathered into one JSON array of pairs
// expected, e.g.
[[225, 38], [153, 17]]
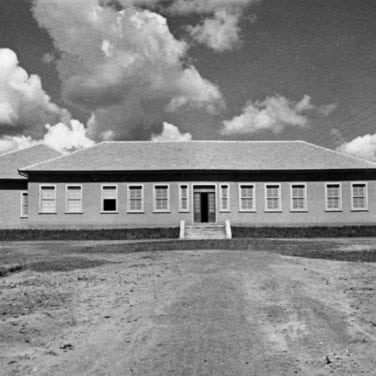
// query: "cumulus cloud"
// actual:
[[220, 29], [24, 105], [26, 112], [61, 137], [10, 143], [123, 65], [327, 109], [273, 114], [65, 138], [220, 33], [171, 132], [207, 6], [362, 147]]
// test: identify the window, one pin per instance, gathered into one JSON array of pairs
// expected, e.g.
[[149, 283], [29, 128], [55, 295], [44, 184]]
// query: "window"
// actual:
[[73, 197], [359, 199], [161, 198], [135, 198], [183, 198], [298, 197], [247, 201], [24, 204], [272, 197], [333, 197], [224, 200], [109, 198], [47, 199]]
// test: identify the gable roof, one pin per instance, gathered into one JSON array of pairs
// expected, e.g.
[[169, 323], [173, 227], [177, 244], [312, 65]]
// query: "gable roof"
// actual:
[[10, 162], [201, 155]]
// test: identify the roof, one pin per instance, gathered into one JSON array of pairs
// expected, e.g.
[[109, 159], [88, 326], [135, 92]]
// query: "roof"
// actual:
[[201, 155], [10, 162]]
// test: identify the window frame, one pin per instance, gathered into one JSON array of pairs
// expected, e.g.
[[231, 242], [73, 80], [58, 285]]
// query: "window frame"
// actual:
[[40, 211], [22, 214], [305, 197], [221, 208], [117, 199], [142, 210], [180, 198], [279, 209], [66, 198], [253, 209], [365, 208], [339, 197], [155, 210]]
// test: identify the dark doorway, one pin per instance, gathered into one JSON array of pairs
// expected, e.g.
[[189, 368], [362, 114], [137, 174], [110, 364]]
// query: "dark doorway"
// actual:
[[204, 204], [204, 207]]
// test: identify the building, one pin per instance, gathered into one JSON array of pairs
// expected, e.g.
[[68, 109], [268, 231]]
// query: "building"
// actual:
[[160, 184], [13, 186]]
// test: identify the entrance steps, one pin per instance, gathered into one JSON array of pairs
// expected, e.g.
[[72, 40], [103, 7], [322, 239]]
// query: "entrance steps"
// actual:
[[207, 231]]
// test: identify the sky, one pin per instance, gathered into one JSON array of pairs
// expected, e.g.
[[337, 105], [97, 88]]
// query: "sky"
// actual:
[[77, 72]]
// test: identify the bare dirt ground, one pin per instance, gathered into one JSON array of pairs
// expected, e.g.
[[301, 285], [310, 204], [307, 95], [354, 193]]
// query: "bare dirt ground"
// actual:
[[91, 309]]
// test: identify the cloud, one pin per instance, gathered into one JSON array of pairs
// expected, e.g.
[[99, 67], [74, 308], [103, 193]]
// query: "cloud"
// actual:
[[24, 105], [171, 132], [123, 65], [220, 33], [61, 137], [362, 147], [9, 143], [220, 29], [207, 6], [273, 114], [26, 112], [65, 138], [327, 109]]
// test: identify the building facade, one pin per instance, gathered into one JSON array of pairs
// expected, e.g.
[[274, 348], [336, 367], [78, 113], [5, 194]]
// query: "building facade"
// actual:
[[150, 184], [14, 187]]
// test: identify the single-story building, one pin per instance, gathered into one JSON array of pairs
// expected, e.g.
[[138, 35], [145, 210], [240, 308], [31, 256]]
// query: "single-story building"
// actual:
[[160, 184], [13, 186]]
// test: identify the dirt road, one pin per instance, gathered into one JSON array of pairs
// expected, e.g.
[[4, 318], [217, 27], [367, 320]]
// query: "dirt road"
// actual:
[[189, 313]]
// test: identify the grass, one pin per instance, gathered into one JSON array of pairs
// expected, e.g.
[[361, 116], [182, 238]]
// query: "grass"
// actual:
[[324, 249]]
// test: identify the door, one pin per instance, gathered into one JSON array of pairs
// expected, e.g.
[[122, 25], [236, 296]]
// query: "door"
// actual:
[[211, 207], [204, 204], [197, 207]]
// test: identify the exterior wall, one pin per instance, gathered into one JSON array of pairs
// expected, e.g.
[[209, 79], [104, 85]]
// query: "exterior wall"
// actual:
[[93, 218], [10, 205]]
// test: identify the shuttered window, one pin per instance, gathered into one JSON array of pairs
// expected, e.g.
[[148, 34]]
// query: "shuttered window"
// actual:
[[298, 197], [109, 198], [47, 199], [74, 199], [333, 196], [135, 198], [247, 200], [183, 197], [359, 199], [24, 204], [272, 197]]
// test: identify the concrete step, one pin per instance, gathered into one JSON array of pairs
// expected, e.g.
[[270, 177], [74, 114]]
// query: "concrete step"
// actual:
[[205, 232]]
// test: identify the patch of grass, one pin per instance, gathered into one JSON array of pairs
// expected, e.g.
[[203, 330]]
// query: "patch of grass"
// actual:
[[312, 249], [366, 255], [8, 269], [63, 264]]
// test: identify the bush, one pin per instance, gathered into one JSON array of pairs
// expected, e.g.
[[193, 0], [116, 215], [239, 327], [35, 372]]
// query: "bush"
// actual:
[[103, 234]]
